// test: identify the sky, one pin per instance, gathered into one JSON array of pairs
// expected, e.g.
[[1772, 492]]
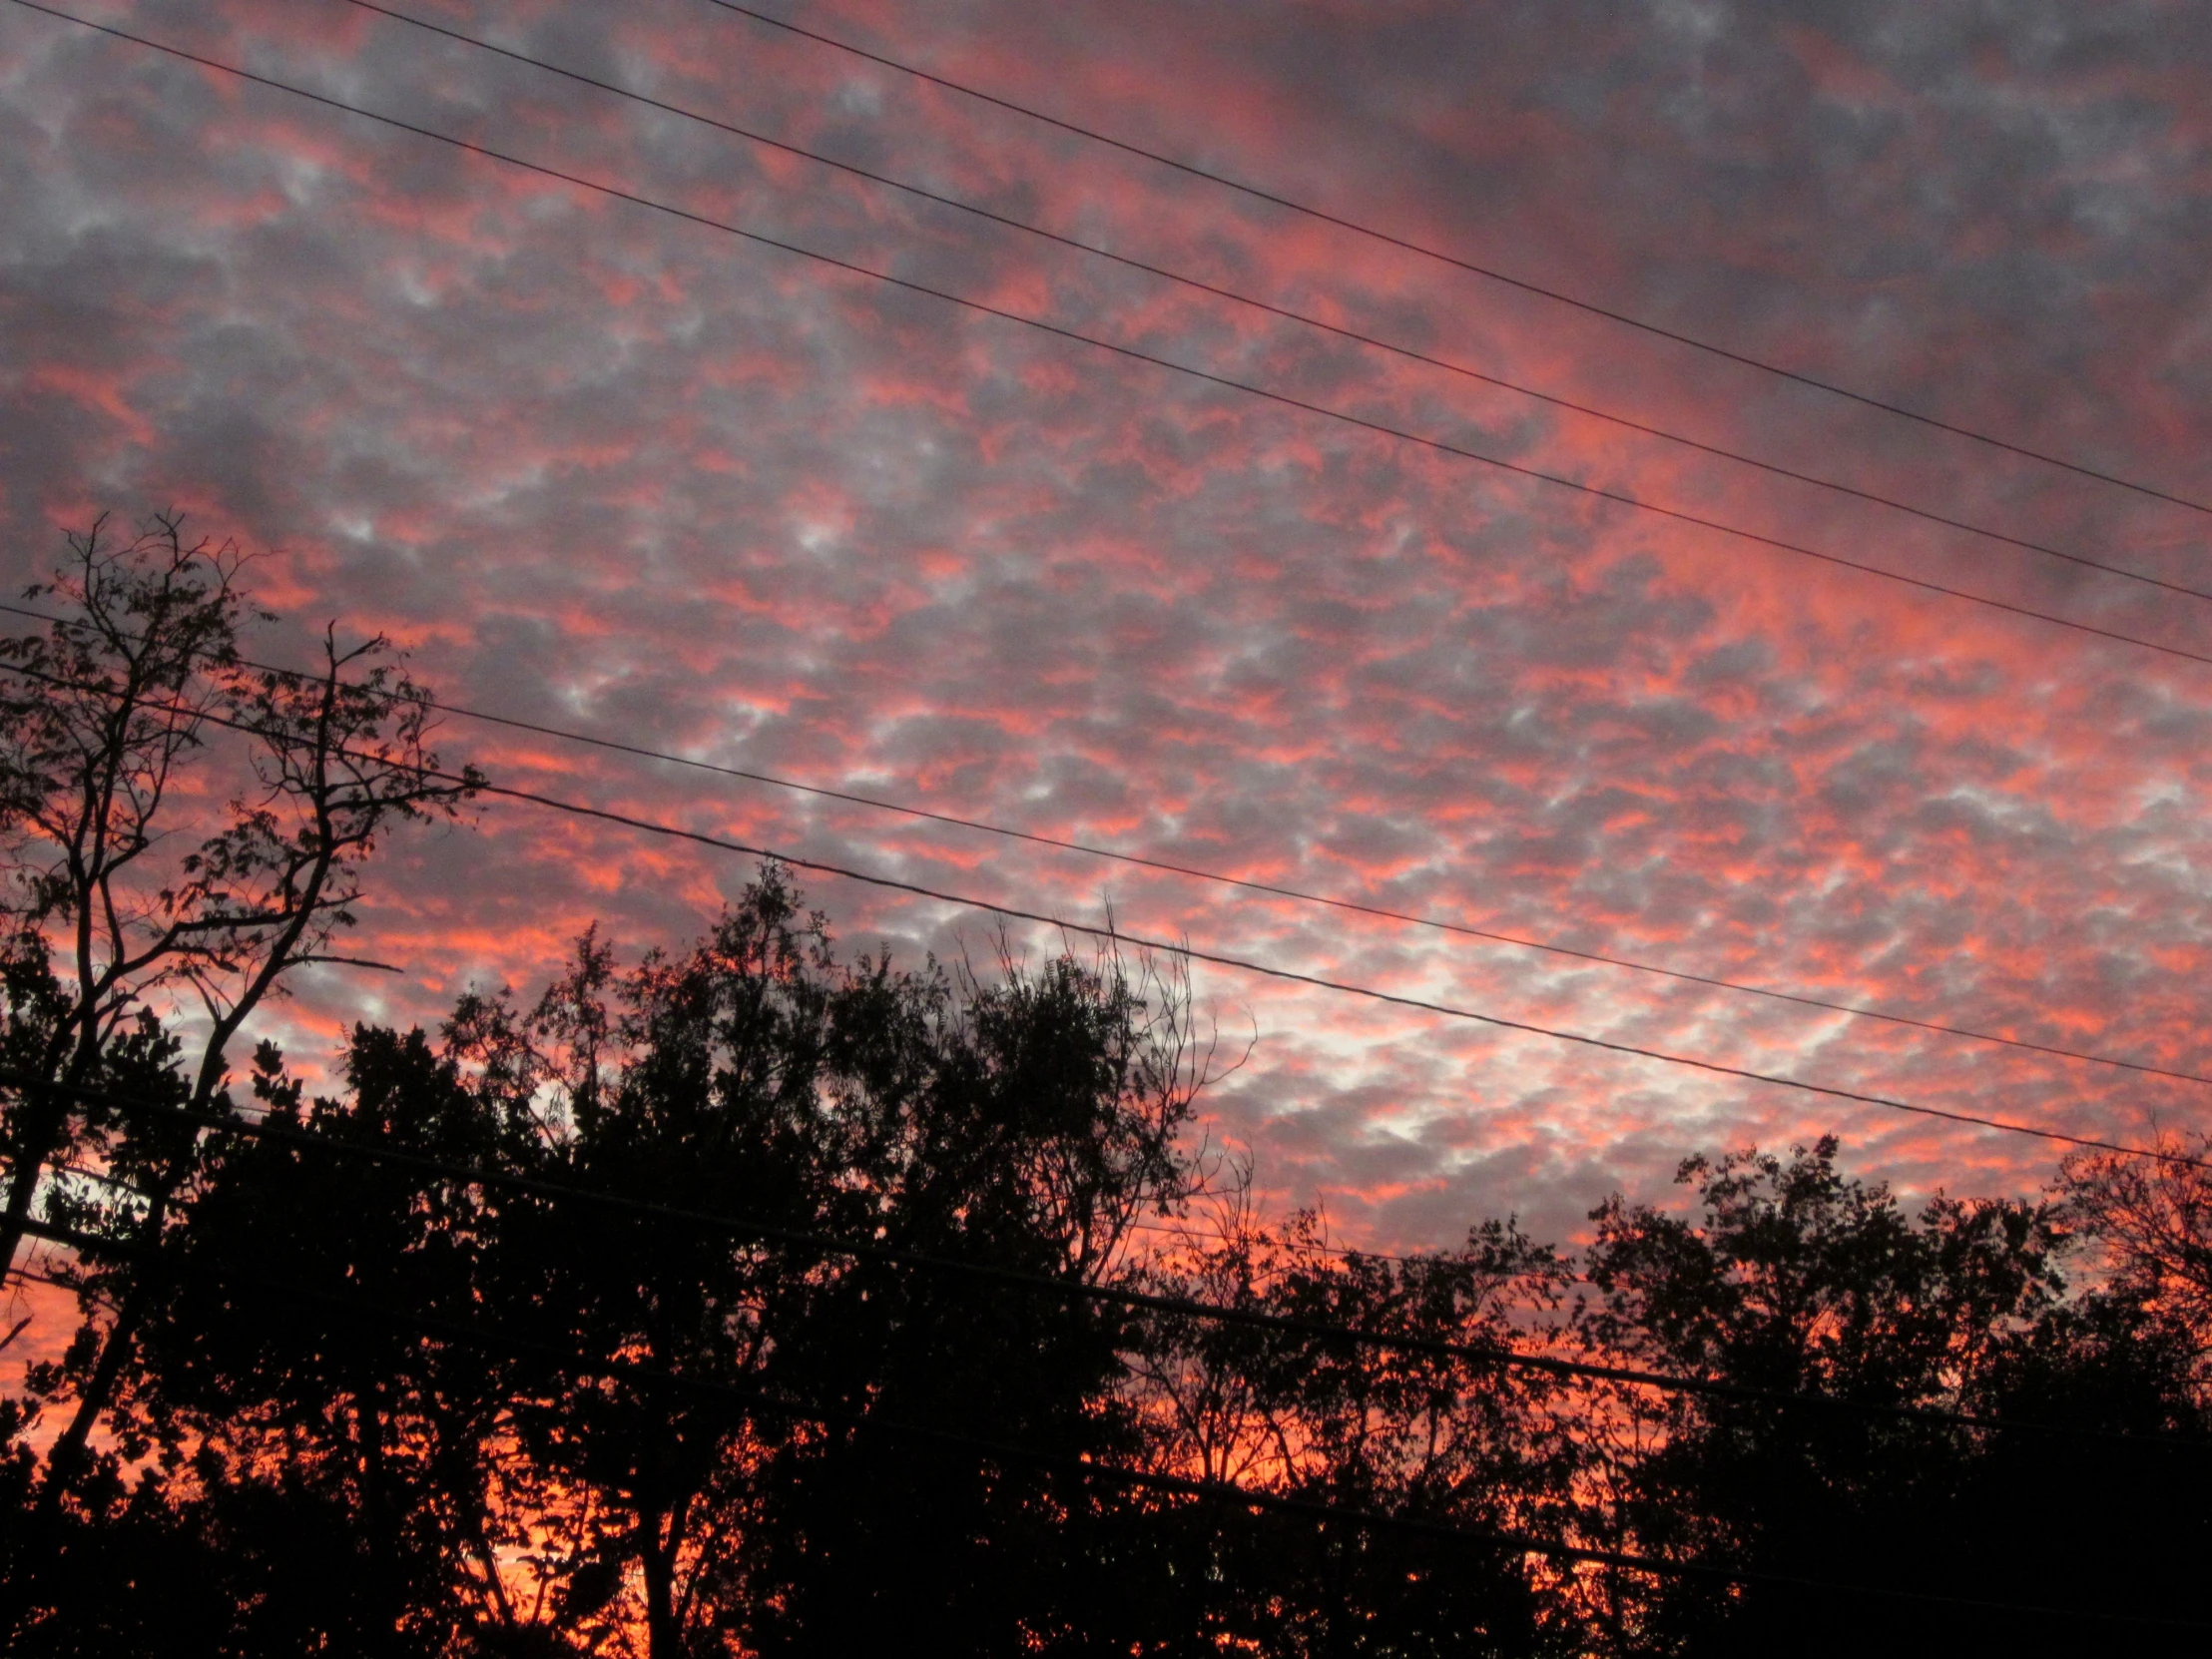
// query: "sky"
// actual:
[[599, 466]]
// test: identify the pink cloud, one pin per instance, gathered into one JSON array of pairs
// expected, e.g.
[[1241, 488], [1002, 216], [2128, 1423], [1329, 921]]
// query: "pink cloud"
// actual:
[[597, 468]]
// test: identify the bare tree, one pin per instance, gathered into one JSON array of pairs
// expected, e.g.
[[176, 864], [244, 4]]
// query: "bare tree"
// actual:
[[96, 715]]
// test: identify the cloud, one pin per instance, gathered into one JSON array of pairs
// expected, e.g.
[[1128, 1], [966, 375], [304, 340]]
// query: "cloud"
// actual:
[[597, 467]]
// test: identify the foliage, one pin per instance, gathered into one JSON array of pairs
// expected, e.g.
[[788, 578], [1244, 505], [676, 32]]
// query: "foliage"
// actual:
[[1792, 1276], [576, 1427], [379, 1410]]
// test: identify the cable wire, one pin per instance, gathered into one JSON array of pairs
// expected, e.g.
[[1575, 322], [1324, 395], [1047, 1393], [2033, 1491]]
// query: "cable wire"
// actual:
[[1115, 935], [1242, 964], [1304, 897], [1488, 273], [1245, 883], [1130, 352], [1487, 1355], [1088, 1467], [1183, 1235], [1304, 319]]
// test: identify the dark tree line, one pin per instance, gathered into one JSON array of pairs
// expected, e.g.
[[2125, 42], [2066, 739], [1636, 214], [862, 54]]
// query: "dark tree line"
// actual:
[[327, 1401]]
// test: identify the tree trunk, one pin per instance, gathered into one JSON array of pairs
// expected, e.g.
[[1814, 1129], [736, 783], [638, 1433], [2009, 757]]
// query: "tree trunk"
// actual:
[[64, 1462], [664, 1640]]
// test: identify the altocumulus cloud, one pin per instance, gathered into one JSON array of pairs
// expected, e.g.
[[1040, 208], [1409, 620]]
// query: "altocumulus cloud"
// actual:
[[594, 466]]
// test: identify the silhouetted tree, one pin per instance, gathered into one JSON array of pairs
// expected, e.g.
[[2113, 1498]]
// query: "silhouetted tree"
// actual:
[[524, 1464], [103, 714], [1794, 1278], [1319, 1419], [2153, 1219]]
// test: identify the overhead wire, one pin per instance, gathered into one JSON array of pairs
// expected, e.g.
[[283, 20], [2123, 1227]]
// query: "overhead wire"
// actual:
[[1248, 885], [1240, 1496], [784, 1236], [1305, 319], [1130, 352], [1088, 1467], [1605, 958], [1242, 964], [1115, 935], [1488, 273], [1419, 1256], [1354, 906], [1183, 1234]]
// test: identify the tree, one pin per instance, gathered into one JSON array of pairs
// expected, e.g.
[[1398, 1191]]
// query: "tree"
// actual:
[[96, 715], [1022, 1124], [1794, 1278], [588, 1423], [1358, 1426], [103, 715], [2154, 1218]]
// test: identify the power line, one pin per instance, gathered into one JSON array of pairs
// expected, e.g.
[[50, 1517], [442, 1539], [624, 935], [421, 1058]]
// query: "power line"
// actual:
[[1189, 952], [1267, 889], [782, 1235], [1749, 535], [1132, 353], [1417, 1256], [659, 1376], [1225, 1492], [1490, 273], [1176, 868], [1288, 313], [1184, 1234], [1304, 896], [1343, 987]]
